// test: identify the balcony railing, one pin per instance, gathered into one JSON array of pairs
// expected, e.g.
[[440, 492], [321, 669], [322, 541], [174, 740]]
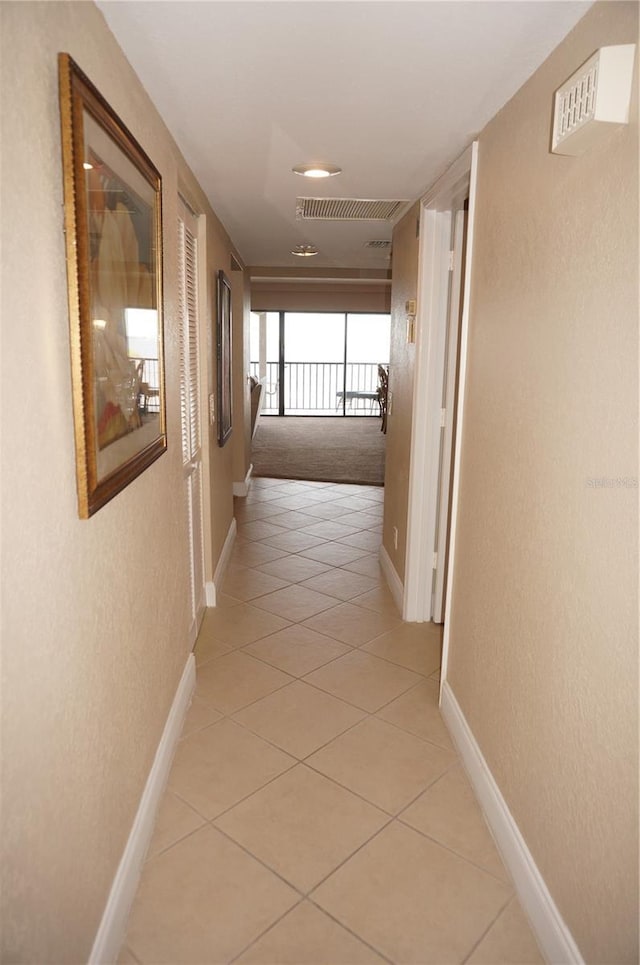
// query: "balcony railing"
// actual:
[[149, 391], [320, 388]]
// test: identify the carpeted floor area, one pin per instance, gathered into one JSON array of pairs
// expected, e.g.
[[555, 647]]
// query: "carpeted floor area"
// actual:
[[323, 449]]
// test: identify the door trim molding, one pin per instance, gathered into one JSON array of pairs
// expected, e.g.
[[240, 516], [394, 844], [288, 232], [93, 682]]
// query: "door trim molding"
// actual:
[[111, 932], [462, 379], [435, 237], [555, 939]]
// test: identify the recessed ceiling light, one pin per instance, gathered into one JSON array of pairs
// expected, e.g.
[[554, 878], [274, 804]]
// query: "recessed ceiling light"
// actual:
[[317, 170], [304, 251]]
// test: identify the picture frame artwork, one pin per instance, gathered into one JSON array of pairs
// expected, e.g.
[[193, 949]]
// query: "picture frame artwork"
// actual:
[[224, 357], [113, 227]]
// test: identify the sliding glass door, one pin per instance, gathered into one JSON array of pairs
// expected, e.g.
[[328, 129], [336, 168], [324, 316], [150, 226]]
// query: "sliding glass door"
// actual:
[[264, 354], [313, 373], [366, 347], [319, 363]]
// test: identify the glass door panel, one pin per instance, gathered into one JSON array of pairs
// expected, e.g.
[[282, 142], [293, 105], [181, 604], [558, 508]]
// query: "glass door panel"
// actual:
[[264, 356], [314, 345], [367, 347]]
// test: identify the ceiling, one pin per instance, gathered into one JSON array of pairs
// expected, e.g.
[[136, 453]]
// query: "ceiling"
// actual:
[[391, 91]]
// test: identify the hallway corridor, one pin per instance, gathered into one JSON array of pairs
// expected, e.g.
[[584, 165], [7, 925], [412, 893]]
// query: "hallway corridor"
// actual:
[[316, 811]]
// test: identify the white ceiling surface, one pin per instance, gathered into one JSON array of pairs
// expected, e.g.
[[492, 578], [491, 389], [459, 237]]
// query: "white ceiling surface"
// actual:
[[391, 91]]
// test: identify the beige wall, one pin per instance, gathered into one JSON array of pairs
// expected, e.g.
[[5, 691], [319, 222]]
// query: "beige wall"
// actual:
[[292, 297], [94, 612], [401, 368], [544, 623]]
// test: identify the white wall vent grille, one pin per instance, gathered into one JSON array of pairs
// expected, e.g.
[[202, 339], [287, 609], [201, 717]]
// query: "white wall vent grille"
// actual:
[[346, 209], [378, 244], [576, 105], [593, 99]]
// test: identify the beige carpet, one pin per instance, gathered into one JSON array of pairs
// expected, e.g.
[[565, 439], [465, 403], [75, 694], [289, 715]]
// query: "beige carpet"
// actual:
[[347, 450]]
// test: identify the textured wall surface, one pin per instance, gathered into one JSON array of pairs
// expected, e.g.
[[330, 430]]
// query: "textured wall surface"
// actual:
[[544, 624], [94, 612], [405, 283]]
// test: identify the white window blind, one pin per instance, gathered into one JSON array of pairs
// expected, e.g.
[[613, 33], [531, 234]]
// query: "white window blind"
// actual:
[[190, 404], [189, 362]]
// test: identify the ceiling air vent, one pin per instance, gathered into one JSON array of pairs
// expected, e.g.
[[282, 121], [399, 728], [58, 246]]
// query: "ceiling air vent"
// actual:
[[346, 209], [378, 245]]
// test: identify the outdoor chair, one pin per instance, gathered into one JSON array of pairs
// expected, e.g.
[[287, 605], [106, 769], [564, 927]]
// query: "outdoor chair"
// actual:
[[383, 392]]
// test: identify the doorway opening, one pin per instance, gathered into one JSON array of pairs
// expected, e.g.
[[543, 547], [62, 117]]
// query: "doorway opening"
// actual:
[[320, 363]]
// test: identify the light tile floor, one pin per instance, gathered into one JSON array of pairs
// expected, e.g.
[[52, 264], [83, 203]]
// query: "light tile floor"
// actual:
[[317, 813]]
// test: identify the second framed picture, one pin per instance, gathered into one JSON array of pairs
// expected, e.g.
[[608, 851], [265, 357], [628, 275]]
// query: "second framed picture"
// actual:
[[224, 357]]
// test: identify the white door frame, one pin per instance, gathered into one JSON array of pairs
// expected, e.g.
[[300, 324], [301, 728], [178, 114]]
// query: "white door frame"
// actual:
[[433, 291], [449, 393]]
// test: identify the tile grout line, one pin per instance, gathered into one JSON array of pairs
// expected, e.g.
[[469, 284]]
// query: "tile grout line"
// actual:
[[149, 859], [260, 861], [485, 932], [266, 931], [350, 930], [314, 887], [507, 884], [278, 747], [303, 627], [353, 853], [364, 709], [226, 810], [426, 740], [236, 710], [344, 787], [331, 606], [276, 667], [307, 672]]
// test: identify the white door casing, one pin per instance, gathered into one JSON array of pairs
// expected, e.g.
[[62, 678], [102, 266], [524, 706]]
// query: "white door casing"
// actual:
[[449, 396], [436, 216]]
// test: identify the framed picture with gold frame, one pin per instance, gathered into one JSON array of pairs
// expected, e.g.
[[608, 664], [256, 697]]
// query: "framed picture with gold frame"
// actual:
[[113, 227]]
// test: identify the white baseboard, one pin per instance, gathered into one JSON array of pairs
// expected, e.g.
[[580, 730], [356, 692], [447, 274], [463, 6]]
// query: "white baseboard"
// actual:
[[395, 583], [242, 488], [112, 928], [555, 939], [212, 589]]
